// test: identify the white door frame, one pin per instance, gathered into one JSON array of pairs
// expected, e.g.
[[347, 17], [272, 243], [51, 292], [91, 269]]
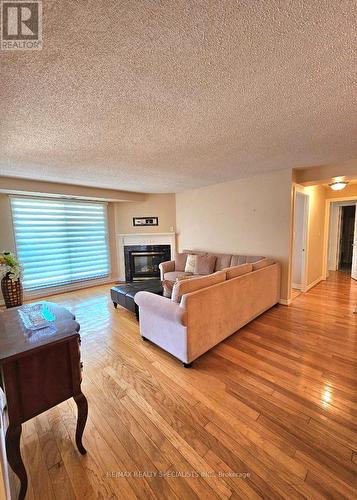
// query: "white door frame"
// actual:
[[334, 236], [354, 250], [325, 272], [300, 190]]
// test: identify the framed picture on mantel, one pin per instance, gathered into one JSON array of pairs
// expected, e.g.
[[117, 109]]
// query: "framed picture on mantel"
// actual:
[[145, 221]]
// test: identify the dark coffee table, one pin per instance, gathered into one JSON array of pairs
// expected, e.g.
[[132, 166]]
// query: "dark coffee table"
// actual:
[[124, 294]]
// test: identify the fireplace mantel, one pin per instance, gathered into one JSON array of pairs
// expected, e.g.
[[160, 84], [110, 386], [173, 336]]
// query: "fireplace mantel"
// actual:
[[142, 239]]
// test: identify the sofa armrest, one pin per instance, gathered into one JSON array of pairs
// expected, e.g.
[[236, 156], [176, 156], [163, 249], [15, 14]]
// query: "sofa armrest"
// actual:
[[150, 303], [166, 267]]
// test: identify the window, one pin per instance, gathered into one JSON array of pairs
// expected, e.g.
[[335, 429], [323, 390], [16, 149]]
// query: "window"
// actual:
[[60, 241]]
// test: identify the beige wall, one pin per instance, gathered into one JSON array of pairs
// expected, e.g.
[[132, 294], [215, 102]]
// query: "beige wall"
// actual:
[[349, 191], [155, 205], [248, 216], [323, 174], [38, 188], [316, 233], [7, 241], [112, 224]]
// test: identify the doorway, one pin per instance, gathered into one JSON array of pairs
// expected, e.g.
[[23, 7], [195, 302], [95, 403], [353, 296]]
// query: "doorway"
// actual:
[[301, 217], [346, 238], [342, 247]]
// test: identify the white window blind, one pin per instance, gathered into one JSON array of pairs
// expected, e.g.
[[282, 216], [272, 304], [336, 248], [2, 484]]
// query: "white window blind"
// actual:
[[60, 242]]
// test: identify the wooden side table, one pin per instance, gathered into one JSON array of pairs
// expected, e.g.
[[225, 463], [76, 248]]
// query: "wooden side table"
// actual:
[[38, 371]]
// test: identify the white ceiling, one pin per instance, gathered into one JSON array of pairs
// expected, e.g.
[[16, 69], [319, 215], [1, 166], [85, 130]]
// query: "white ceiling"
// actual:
[[163, 96]]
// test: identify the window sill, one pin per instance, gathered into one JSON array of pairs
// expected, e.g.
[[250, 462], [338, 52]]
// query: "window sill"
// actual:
[[54, 290]]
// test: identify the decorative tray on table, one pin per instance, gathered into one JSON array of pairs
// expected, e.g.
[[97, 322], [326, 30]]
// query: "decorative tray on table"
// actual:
[[36, 316]]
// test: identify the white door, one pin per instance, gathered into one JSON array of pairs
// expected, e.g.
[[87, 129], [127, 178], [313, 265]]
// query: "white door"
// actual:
[[354, 255], [299, 241], [334, 236]]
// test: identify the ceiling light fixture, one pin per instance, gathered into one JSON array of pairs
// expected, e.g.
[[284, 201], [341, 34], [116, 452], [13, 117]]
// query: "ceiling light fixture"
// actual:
[[338, 185]]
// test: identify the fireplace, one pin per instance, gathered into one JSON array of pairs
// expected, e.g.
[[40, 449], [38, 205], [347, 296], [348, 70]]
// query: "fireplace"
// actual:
[[142, 261]]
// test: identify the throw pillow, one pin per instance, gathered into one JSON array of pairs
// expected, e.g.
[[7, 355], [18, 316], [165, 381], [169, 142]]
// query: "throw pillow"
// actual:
[[180, 261], [190, 263], [205, 264]]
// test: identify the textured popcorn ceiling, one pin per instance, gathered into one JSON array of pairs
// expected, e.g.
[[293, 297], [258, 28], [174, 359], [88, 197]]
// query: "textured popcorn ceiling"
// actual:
[[161, 96]]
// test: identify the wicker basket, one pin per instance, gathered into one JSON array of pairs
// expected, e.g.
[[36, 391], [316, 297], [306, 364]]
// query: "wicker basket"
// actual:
[[12, 292]]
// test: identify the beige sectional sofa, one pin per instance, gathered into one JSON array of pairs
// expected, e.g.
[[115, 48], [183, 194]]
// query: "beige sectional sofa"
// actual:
[[171, 269], [205, 310]]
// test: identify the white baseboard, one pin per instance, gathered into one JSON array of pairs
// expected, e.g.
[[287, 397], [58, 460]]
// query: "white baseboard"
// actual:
[[54, 290], [287, 302], [297, 286], [45, 292], [314, 283]]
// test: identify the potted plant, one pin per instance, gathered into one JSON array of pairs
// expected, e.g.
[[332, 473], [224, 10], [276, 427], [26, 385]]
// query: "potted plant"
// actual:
[[10, 272]]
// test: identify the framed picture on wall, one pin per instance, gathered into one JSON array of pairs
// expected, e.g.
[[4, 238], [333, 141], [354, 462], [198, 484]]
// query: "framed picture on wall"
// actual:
[[145, 221]]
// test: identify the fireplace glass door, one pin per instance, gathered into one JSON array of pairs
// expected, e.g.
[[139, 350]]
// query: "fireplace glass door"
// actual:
[[142, 262], [146, 263]]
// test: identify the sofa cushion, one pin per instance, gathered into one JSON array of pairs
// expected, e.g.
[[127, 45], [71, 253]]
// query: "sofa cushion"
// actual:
[[192, 285], [263, 263], [180, 261], [205, 264], [190, 263], [235, 271], [168, 285], [237, 260], [186, 277], [254, 258], [223, 260], [172, 275]]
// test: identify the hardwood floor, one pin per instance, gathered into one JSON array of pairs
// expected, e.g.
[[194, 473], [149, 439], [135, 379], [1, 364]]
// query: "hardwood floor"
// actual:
[[295, 293], [269, 413]]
